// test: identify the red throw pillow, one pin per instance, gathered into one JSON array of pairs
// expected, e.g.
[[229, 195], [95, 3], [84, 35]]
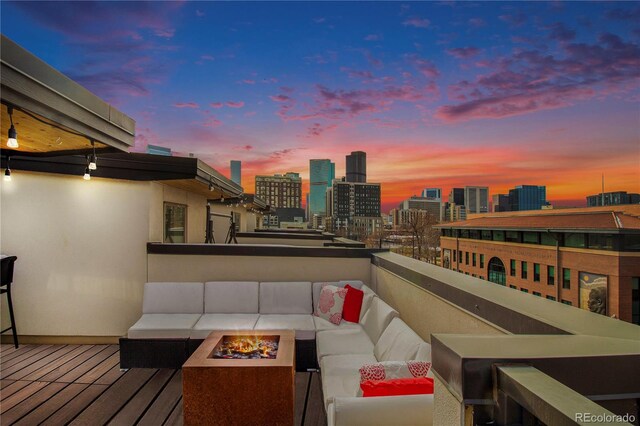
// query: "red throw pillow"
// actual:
[[394, 387], [352, 304]]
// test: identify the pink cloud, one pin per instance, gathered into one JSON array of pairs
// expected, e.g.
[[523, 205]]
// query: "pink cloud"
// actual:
[[185, 105], [216, 105], [212, 122], [424, 66], [248, 81], [280, 98], [232, 104], [417, 22]]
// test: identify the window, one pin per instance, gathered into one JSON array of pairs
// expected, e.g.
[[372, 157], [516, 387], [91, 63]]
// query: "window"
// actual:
[[512, 236], [548, 239], [513, 286], [482, 260], [464, 233], [566, 302], [512, 270], [466, 258], [535, 293], [566, 278], [631, 243], [551, 275], [536, 272], [474, 234], [531, 238], [600, 241], [496, 271], [486, 235], [523, 270], [551, 298], [635, 300], [455, 254], [460, 256], [175, 223], [575, 240], [498, 235], [524, 290], [473, 275]]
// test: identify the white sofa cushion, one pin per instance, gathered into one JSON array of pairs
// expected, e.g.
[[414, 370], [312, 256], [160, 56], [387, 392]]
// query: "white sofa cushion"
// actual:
[[424, 352], [406, 410], [397, 342], [343, 342], [158, 326], [377, 318], [231, 297], [173, 298], [322, 325], [285, 298], [209, 322], [366, 300], [302, 324], [341, 375]]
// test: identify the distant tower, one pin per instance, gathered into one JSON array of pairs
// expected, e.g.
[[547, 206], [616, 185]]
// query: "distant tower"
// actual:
[[236, 171], [322, 172], [357, 167]]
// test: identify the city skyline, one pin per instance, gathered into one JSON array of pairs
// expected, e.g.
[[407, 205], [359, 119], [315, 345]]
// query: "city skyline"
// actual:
[[445, 94]]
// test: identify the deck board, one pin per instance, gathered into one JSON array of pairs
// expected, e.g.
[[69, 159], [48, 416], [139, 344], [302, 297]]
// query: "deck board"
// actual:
[[83, 385]]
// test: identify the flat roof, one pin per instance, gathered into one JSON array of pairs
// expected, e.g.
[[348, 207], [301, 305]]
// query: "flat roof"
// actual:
[[614, 221]]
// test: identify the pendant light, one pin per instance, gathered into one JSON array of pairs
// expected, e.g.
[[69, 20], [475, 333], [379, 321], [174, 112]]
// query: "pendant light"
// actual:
[[12, 141]]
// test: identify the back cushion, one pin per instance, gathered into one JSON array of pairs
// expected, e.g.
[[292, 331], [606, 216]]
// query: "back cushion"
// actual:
[[318, 286], [231, 297], [377, 318], [366, 301], [173, 298], [424, 352], [397, 342], [285, 298]]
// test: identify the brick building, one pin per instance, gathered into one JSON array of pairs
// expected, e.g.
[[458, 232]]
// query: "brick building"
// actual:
[[588, 258]]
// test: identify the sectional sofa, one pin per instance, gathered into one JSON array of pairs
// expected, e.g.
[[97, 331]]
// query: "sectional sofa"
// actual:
[[177, 317]]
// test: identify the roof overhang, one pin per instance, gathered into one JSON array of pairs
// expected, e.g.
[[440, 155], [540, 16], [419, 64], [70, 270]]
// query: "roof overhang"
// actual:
[[190, 174], [52, 114]]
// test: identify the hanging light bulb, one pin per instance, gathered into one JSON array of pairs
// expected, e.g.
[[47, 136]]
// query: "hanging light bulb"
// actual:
[[93, 163], [12, 141], [7, 175], [87, 174]]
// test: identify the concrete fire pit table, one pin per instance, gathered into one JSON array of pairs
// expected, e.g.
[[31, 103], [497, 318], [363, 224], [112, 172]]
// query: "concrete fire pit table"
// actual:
[[219, 387]]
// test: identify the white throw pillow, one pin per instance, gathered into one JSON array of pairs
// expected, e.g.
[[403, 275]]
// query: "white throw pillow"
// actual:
[[330, 303]]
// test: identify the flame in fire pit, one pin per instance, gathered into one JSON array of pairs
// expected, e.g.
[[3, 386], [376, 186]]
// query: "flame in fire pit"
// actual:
[[247, 347]]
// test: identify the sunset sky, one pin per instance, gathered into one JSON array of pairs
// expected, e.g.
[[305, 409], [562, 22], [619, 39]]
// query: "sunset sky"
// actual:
[[438, 94]]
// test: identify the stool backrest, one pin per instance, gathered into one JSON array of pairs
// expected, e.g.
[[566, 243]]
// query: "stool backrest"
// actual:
[[7, 270]]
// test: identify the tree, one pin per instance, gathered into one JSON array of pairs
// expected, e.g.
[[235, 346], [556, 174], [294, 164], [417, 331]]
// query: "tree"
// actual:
[[425, 239]]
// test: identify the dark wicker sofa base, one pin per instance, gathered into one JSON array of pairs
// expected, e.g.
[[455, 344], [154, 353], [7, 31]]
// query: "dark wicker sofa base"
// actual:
[[172, 353]]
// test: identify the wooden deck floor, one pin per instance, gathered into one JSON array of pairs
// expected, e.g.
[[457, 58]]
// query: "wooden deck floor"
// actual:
[[83, 385]]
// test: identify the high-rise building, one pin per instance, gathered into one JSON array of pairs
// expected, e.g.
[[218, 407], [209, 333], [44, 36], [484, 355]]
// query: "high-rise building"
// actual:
[[357, 167], [613, 199], [476, 199], [456, 196], [236, 171], [527, 197], [500, 203], [354, 207], [451, 212], [280, 190], [433, 206], [321, 175], [433, 193]]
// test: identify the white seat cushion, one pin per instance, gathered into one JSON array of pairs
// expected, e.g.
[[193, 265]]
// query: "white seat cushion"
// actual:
[[173, 298], [377, 318], [343, 342], [158, 326], [285, 297], [341, 375], [210, 322], [322, 325], [397, 343], [231, 297], [302, 324]]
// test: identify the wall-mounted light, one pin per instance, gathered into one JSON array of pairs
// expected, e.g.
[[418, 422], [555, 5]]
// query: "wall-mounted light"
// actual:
[[7, 171], [93, 162], [12, 141]]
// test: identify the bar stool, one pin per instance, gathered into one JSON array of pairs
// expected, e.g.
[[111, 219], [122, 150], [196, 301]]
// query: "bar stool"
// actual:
[[5, 288]]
